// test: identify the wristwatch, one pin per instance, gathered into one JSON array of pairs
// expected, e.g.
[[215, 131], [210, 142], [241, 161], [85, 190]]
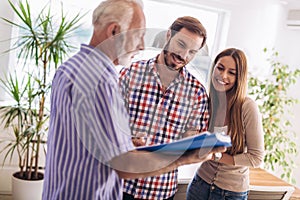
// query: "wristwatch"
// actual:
[[217, 156]]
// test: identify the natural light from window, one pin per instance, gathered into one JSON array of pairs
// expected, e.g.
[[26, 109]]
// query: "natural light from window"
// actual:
[[157, 19]]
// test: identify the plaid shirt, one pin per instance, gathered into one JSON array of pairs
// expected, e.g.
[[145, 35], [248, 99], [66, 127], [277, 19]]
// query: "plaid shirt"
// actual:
[[164, 114]]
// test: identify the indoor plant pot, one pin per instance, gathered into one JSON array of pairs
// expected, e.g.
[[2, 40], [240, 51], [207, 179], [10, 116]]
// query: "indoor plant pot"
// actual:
[[27, 189]]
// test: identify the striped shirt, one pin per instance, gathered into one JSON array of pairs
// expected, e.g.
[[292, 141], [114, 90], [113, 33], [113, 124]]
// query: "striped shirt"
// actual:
[[88, 127], [164, 115]]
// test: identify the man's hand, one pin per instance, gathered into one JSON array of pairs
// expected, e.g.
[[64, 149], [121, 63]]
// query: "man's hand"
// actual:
[[200, 155], [139, 164], [140, 139], [190, 133]]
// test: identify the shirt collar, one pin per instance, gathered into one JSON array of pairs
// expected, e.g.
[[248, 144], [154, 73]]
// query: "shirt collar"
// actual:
[[88, 49]]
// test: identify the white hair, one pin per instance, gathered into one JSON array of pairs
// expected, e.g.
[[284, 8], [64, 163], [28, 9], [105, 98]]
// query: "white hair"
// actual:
[[120, 11]]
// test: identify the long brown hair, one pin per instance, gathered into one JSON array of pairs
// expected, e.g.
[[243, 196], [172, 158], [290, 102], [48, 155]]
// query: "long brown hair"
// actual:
[[235, 98]]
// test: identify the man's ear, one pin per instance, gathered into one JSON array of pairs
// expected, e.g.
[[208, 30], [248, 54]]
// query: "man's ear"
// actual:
[[113, 29]]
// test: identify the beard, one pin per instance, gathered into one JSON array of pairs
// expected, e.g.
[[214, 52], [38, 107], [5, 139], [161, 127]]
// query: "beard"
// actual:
[[167, 58]]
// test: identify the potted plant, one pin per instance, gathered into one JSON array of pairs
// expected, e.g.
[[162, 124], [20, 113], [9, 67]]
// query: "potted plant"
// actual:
[[42, 44], [19, 116], [272, 95]]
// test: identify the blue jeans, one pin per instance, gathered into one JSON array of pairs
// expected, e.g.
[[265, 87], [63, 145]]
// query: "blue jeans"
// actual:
[[198, 189]]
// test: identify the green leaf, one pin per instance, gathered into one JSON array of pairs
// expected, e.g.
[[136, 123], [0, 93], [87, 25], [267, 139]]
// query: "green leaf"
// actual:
[[274, 103]]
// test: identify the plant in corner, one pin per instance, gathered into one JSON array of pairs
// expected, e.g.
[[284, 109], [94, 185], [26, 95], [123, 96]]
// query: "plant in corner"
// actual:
[[19, 116], [42, 44], [272, 95]]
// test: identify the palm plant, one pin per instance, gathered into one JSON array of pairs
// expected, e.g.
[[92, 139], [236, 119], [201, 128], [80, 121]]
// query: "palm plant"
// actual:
[[19, 117], [42, 43]]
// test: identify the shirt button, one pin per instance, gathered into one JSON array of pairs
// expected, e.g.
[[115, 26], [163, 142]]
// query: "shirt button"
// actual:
[[212, 187]]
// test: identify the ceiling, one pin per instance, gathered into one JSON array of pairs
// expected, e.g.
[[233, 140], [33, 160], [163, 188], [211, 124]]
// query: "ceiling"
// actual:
[[293, 4]]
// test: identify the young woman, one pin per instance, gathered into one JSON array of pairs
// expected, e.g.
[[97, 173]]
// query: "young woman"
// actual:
[[227, 176]]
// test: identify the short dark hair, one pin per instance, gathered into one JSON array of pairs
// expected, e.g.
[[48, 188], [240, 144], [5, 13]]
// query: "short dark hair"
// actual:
[[190, 23]]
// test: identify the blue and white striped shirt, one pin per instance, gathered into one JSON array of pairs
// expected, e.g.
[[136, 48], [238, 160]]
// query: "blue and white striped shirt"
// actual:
[[88, 127]]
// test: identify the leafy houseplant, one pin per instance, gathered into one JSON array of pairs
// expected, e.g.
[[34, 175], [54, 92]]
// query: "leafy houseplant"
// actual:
[[272, 96], [42, 44], [19, 117]]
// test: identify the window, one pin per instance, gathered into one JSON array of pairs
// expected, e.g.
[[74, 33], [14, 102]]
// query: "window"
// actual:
[[159, 16]]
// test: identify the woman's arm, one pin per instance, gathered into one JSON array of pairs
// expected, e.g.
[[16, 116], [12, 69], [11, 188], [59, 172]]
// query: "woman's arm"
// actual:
[[254, 136]]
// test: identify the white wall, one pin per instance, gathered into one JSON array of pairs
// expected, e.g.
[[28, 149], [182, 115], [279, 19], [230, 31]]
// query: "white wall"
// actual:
[[5, 34], [288, 43], [253, 29]]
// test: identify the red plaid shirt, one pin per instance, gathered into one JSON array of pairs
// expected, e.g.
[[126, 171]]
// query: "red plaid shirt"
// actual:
[[164, 114]]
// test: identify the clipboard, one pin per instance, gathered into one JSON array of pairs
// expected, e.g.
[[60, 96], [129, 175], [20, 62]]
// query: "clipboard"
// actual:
[[204, 140]]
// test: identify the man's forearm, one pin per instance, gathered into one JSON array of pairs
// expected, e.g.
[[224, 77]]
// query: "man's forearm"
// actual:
[[138, 164]]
